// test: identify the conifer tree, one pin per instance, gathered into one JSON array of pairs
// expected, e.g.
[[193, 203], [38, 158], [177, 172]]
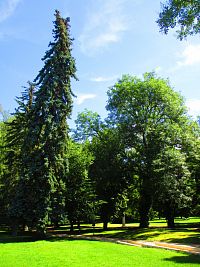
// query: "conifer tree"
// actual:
[[16, 130], [45, 146]]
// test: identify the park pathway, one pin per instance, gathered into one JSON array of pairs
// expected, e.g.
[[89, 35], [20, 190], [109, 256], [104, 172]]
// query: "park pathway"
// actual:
[[192, 248]]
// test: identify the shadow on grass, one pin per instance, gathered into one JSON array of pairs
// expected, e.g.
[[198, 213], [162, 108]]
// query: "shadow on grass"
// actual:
[[16, 239], [185, 259], [132, 233], [192, 239], [145, 234], [187, 225], [84, 230], [178, 235]]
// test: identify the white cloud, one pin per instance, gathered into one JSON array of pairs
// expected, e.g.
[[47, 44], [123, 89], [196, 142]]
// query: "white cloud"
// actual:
[[82, 97], [193, 107], [7, 8], [103, 79], [189, 56], [103, 26]]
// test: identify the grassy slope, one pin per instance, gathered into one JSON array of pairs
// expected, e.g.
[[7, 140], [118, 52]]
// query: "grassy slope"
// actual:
[[88, 254]]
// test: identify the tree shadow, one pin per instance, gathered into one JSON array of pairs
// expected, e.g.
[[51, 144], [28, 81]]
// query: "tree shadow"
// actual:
[[8, 238], [134, 233], [70, 238], [185, 259], [129, 232], [25, 236], [151, 233], [66, 230], [192, 239]]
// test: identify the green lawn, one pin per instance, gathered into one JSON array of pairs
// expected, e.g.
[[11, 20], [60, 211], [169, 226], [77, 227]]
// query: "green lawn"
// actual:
[[186, 232], [89, 254], [189, 222], [22, 251], [184, 236]]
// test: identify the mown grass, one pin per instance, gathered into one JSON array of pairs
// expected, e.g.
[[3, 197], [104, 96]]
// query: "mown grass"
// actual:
[[23, 251], [73, 253], [185, 222], [184, 236], [186, 231]]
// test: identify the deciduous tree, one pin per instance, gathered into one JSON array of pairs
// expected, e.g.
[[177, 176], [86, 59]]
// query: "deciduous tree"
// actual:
[[181, 14], [79, 194], [148, 113], [108, 171], [88, 124]]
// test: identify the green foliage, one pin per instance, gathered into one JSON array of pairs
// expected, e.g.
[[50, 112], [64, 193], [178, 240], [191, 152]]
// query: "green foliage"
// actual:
[[191, 148], [16, 130], [45, 164], [183, 14], [146, 151], [108, 170], [2, 147], [173, 184], [88, 124], [150, 116], [3, 168], [80, 197]]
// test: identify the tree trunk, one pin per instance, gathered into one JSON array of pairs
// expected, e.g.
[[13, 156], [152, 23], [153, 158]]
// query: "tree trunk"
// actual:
[[105, 215], [145, 200], [170, 222], [14, 227], [79, 226], [41, 233], [105, 225], [56, 224], [124, 220], [145, 206], [71, 227], [170, 218], [14, 230]]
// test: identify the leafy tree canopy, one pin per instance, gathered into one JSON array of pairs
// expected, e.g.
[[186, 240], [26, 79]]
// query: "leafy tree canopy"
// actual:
[[88, 124], [183, 14], [150, 116]]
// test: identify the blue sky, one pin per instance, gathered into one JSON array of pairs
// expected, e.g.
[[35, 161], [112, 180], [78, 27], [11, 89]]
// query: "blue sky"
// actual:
[[112, 37]]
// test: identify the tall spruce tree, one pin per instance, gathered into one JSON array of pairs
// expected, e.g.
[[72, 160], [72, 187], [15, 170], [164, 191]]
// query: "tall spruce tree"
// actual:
[[45, 145]]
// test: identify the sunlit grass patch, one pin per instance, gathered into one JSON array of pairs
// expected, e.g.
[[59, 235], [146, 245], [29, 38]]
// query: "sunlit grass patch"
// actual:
[[157, 231], [88, 254]]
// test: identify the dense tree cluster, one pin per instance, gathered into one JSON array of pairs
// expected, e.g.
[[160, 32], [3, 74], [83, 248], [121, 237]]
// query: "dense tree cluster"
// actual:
[[142, 160]]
